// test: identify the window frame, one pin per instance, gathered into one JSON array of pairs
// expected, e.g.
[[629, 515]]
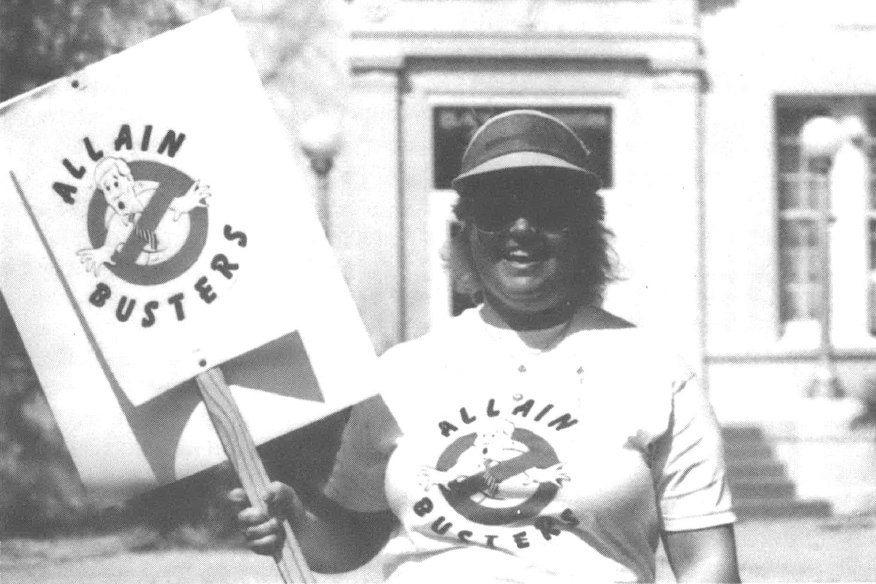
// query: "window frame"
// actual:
[[812, 171]]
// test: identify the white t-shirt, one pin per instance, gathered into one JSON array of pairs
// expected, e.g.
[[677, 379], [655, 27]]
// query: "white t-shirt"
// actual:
[[541, 457]]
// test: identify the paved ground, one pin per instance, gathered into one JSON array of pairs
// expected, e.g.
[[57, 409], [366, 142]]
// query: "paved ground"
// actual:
[[806, 550]]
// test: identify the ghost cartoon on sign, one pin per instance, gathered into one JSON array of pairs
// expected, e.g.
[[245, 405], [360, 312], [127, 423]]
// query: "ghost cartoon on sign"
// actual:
[[126, 200]]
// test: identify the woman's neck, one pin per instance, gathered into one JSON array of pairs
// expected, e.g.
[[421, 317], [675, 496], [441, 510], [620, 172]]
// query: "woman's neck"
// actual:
[[527, 321]]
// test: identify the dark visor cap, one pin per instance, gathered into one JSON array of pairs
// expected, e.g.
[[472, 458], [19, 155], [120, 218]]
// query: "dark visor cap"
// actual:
[[523, 139]]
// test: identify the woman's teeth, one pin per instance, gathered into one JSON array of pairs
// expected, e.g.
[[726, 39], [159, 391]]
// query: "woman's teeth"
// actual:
[[520, 256]]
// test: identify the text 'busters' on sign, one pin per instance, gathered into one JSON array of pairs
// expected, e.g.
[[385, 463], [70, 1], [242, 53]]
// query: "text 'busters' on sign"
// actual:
[[156, 223]]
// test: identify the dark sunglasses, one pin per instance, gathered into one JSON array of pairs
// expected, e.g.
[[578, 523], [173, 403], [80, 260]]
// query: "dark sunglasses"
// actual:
[[496, 214]]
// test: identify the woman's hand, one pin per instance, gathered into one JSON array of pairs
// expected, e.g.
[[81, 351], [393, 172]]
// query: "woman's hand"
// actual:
[[333, 539], [263, 528]]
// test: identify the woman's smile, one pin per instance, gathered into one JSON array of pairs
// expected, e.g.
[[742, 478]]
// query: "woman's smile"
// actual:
[[523, 257]]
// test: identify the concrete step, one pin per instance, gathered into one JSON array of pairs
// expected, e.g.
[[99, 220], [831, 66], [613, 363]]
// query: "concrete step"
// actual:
[[747, 449], [760, 488], [746, 468], [759, 481], [773, 509], [749, 433]]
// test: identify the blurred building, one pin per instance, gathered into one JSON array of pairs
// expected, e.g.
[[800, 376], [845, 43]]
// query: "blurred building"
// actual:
[[695, 111]]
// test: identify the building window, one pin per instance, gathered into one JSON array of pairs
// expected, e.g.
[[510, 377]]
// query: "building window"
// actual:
[[800, 186], [846, 186]]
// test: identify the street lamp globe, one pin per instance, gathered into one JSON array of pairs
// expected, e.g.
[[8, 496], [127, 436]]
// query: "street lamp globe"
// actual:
[[821, 136], [852, 128], [320, 139]]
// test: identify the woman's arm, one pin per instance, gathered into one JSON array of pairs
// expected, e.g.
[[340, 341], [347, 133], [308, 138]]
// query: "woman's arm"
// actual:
[[333, 539], [703, 555]]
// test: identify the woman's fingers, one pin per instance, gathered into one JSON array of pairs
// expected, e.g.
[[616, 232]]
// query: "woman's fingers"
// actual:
[[282, 500], [252, 516], [238, 499], [279, 496], [262, 526], [265, 528], [263, 533], [266, 546]]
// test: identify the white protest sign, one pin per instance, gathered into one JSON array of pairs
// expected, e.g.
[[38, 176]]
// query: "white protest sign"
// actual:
[[155, 225]]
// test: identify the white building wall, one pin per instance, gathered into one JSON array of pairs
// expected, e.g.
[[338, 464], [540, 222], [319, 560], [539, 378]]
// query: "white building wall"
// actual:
[[798, 51], [755, 51], [658, 200], [365, 211]]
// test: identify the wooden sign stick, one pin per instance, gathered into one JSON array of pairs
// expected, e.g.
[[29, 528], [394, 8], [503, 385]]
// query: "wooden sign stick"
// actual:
[[241, 451]]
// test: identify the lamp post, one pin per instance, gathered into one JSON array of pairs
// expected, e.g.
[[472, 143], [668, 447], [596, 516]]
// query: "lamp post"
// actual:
[[320, 139], [820, 139]]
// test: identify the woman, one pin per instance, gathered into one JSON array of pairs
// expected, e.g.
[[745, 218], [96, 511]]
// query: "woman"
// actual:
[[536, 437]]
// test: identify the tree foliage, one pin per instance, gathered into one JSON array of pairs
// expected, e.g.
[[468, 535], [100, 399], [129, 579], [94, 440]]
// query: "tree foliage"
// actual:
[[42, 40], [45, 39]]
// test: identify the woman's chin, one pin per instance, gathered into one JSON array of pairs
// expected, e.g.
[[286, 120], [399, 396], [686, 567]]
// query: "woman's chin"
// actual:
[[527, 298]]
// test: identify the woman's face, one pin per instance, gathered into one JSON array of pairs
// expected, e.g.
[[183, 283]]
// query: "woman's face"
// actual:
[[523, 248]]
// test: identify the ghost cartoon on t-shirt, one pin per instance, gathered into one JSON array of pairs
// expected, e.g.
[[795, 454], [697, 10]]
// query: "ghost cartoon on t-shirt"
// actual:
[[495, 466]]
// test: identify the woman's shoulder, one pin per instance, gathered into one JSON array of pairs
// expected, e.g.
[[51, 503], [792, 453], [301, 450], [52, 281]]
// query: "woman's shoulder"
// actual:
[[439, 342], [596, 318], [620, 341], [600, 323], [415, 369]]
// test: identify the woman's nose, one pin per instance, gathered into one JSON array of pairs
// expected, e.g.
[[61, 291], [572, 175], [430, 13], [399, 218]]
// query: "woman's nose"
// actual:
[[521, 225]]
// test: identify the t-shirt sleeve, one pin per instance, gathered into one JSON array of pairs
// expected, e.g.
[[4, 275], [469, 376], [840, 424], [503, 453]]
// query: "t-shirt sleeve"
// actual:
[[688, 464], [368, 440]]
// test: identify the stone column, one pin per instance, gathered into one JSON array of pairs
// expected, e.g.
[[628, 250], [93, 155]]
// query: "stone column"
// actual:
[[849, 190], [366, 208], [665, 185]]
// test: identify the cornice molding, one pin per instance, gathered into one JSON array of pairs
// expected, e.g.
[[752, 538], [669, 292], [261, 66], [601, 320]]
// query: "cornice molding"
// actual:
[[668, 51]]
